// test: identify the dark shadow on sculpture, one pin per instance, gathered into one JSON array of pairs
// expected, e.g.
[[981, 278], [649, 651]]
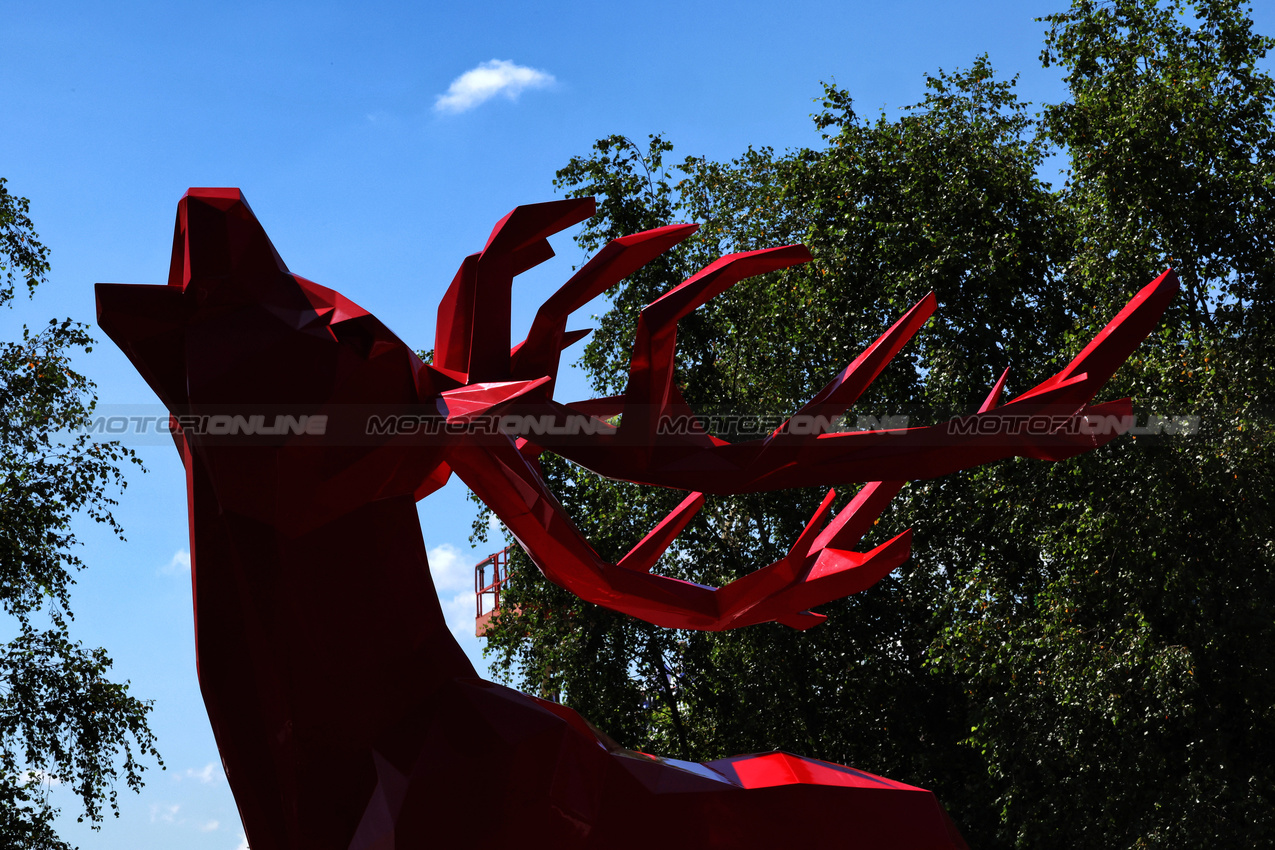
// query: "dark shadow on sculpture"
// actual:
[[346, 715]]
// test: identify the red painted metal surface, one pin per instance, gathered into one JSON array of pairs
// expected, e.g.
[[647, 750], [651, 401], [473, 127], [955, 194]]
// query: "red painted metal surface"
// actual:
[[346, 715]]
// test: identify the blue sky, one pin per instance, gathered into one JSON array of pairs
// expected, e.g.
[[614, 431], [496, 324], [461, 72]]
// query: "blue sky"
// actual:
[[376, 169]]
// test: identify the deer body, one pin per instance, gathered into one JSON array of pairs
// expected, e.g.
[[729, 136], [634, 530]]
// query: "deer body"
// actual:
[[346, 715]]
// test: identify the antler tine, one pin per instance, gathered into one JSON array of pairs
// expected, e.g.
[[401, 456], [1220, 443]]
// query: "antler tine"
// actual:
[[1098, 361], [655, 343], [539, 353], [649, 549], [835, 575], [994, 397], [857, 517], [454, 328], [843, 391], [517, 242], [806, 540], [827, 569], [818, 569], [744, 594]]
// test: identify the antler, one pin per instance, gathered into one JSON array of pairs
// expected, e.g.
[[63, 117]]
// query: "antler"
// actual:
[[477, 350], [1051, 421], [818, 568]]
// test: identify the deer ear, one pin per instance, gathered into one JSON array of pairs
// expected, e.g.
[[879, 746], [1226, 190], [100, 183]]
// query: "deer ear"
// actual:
[[148, 323], [220, 248]]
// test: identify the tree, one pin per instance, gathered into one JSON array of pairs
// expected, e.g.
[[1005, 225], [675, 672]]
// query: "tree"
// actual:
[[1077, 654], [61, 719], [891, 209], [1123, 669]]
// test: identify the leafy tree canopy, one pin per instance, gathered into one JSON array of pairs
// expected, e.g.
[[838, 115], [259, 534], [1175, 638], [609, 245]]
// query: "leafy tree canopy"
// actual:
[[1078, 654], [62, 721]]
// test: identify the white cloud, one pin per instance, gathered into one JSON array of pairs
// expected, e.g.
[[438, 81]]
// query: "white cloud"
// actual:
[[180, 564], [459, 611], [454, 578], [205, 774], [451, 571], [243, 843], [165, 813], [209, 827], [37, 777], [480, 84]]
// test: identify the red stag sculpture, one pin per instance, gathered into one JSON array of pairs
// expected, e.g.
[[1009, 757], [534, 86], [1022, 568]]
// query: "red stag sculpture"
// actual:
[[346, 715]]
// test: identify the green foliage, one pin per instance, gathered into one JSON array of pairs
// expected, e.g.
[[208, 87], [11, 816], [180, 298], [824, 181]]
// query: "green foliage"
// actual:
[[947, 199], [1078, 654], [1120, 668], [22, 257], [61, 719], [954, 179], [1170, 142]]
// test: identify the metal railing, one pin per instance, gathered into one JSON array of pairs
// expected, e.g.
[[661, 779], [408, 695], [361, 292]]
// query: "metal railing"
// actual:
[[490, 575]]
